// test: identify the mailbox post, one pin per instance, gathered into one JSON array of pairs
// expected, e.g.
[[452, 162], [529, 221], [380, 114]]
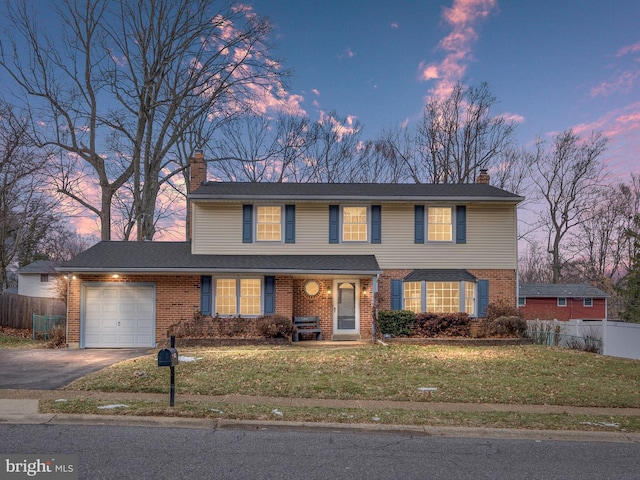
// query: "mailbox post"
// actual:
[[168, 357]]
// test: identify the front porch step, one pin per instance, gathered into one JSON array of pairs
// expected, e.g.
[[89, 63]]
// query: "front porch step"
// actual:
[[345, 337]]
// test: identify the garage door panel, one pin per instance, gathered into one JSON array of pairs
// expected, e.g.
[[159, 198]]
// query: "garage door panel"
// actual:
[[119, 316]]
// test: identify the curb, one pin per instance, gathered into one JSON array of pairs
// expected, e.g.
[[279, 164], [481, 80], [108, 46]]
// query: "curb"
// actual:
[[219, 424]]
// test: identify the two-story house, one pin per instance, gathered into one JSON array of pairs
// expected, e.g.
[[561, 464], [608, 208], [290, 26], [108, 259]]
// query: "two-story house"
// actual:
[[336, 251]]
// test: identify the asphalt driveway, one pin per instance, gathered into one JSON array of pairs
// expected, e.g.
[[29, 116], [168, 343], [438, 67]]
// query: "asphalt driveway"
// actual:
[[48, 369]]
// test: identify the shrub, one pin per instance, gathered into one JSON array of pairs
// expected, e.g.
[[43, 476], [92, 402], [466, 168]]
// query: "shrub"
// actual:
[[275, 326], [508, 326], [501, 308], [441, 325], [396, 322], [57, 337]]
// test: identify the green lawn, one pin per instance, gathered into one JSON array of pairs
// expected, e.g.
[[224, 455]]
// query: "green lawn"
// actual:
[[516, 375], [512, 375]]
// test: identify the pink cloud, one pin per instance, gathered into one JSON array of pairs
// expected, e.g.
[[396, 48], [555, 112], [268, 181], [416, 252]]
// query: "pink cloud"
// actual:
[[513, 117], [315, 91], [395, 25], [348, 53], [622, 128], [624, 83], [628, 49], [462, 16]]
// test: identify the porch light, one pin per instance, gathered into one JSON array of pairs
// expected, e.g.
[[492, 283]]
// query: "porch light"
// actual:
[[115, 275], [364, 290], [328, 291]]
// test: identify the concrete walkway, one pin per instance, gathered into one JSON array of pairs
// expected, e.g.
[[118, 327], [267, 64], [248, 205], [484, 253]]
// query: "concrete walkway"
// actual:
[[21, 406]]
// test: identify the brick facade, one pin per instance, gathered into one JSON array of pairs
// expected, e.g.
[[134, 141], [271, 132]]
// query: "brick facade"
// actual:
[[178, 299]]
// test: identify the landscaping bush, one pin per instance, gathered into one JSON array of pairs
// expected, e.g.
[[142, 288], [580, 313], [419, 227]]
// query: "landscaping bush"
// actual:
[[396, 323], [276, 326], [57, 337], [501, 308], [508, 326], [441, 325]]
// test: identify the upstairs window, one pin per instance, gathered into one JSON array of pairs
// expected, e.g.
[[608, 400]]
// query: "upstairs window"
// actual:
[[354, 224], [439, 224], [269, 224]]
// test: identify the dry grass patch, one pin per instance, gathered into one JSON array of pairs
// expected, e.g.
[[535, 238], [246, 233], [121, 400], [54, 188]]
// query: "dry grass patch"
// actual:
[[232, 411]]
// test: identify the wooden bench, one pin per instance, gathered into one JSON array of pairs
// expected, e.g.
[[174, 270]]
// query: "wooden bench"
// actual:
[[307, 325]]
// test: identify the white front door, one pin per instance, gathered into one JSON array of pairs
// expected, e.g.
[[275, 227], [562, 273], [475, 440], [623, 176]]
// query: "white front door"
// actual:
[[346, 307]]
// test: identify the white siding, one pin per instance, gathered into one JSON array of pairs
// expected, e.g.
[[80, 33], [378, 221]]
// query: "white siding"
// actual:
[[30, 285], [491, 237]]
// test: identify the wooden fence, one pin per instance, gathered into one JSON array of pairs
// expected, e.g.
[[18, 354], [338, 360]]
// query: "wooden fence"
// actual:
[[16, 311]]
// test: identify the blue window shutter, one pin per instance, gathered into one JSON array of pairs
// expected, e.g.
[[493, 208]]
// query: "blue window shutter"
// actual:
[[419, 224], [483, 297], [289, 224], [461, 224], [269, 295], [205, 295], [247, 223], [376, 224], [396, 294], [334, 224]]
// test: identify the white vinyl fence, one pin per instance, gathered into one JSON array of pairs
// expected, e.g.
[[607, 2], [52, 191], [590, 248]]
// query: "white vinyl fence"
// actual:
[[616, 339]]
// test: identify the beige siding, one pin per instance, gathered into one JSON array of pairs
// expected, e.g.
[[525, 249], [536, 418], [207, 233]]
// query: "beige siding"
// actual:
[[491, 237]]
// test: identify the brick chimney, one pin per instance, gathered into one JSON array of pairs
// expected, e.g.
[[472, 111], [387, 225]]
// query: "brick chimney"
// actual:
[[483, 177], [197, 176], [197, 170]]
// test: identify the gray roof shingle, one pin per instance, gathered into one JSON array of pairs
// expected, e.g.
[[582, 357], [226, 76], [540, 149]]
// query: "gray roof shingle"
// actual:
[[562, 290], [440, 275], [176, 257], [352, 191], [40, 266]]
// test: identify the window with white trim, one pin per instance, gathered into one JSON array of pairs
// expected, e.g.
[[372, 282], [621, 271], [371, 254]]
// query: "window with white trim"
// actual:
[[440, 224], [562, 301], [412, 293], [522, 301], [268, 223], [354, 224], [440, 297], [587, 302], [238, 296]]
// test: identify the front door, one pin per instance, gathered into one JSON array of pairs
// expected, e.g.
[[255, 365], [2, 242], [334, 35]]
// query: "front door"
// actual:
[[346, 307]]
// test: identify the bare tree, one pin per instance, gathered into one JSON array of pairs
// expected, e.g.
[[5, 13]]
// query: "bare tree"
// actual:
[[534, 265], [127, 82], [459, 136], [26, 210], [567, 179]]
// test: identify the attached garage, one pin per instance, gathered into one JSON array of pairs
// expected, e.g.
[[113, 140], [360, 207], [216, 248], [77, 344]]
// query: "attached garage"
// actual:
[[118, 315]]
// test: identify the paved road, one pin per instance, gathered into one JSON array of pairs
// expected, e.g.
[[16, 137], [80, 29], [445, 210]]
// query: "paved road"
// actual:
[[48, 369], [266, 453]]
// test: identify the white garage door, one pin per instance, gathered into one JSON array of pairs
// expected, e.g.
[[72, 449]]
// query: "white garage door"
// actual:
[[119, 316]]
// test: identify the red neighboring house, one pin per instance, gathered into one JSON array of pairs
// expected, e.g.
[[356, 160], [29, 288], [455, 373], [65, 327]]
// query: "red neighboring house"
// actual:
[[562, 302]]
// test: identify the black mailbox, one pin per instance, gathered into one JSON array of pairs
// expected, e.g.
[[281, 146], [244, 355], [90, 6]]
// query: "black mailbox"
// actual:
[[168, 357]]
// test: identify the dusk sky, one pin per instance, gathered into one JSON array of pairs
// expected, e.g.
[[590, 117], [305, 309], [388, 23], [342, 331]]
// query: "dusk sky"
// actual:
[[552, 64]]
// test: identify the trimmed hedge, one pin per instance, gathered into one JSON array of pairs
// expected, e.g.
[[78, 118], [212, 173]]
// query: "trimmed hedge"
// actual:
[[397, 323], [405, 323], [442, 325]]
